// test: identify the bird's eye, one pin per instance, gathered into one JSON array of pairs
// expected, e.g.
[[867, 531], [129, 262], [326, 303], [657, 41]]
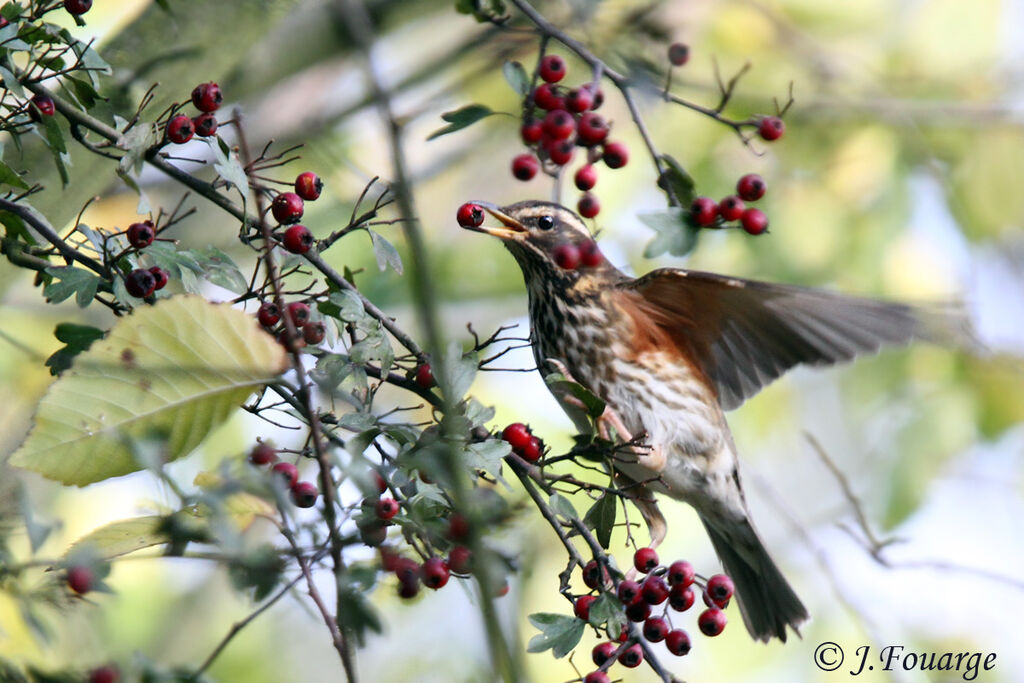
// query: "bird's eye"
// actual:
[[545, 222]]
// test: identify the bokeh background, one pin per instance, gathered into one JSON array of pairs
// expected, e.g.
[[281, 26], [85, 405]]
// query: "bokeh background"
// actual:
[[899, 176]]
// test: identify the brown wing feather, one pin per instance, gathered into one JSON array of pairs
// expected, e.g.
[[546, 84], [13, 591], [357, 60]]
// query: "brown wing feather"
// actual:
[[744, 333]]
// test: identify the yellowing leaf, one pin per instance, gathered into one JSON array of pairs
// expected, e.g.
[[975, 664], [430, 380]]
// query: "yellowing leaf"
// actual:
[[172, 372], [123, 536]]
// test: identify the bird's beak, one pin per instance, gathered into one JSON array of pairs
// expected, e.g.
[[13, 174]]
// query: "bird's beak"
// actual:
[[511, 228]]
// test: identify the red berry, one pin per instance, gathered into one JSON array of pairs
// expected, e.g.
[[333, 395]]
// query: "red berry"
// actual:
[[586, 177], [678, 54], [616, 155], [771, 128], [105, 674], [141, 235], [424, 376], [655, 629], [711, 621], [313, 333], [408, 589], [262, 454], [581, 608], [304, 494], [588, 205], [559, 124], [720, 587], [298, 239], [597, 677], [544, 96], [435, 572], [389, 559], [517, 434], [77, 7], [161, 276], [380, 482], [287, 208], [207, 97], [645, 559], [751, 187], [205, 125], [591, 254], [591, 130], [703, 211], [638, 611], [373, 533], [654, 590], [594, 575], [678, 642], [140, 283], [754, 221], [298, 313], [681, 572], [560, 152], [41, 105], [386, 508], [731, 208], [711, 602], [552, 68], [632, 656], [525, 166], [308, 186], [567, 256], [597, 93], [269, 314], [287, 471], [531, 131], [602, 652], [469, 215], [628, 591], [180, 129], [458, 527], [533, 450], [680, 597], [460, 559], [80, 579], [579, 100], [3, 21]]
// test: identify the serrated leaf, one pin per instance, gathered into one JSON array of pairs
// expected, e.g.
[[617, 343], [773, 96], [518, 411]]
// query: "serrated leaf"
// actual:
[[350, 306], [675, 177], [123, 537], [385, 253], [136, 142], [601, 518], [461, 118], [219, 269], [563, 506], [559, 633], [11, 82], [70, 280], [557, 382], [516, 77], [458, 372], [606, 607], [487, 455], [8, 176], [674, 234], [172, 371], [76, 338], [229, 167]]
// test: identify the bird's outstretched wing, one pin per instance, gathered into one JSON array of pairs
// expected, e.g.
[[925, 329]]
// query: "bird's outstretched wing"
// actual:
[[743, 334]]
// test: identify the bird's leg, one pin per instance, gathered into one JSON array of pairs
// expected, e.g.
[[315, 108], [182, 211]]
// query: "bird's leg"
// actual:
[[645, 502]]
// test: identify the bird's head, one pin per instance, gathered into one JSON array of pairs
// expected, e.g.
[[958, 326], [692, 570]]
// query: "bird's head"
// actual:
[[550, 242]]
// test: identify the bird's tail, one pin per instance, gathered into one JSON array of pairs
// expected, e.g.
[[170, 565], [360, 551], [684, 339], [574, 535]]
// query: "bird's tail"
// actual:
[[766, 600]]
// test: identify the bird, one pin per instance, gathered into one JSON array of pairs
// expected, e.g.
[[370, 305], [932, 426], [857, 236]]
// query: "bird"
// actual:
[[669, 352]]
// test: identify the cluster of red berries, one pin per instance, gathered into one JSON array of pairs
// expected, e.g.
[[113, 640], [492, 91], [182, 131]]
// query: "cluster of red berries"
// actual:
[[671, 586], [557, 121], [288, 207], [312, 331], [142, 282], [303, 493], [524, 444], [707, 213], [207, 98]]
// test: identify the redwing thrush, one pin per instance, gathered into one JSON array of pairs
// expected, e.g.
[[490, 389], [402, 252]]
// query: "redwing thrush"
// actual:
[[672, 350]]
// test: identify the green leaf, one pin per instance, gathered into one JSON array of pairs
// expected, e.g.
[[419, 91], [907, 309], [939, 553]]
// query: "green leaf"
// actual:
[[458, 372], [674, 233], [123, 536], [136, 142], [601, 518], [487, 455], [228, 166], [563, 506], [219, 269], [516, 76], [559, 633], [174, 371], [461, 118], [386, 253], [606, 608], [9, 176], [76, 338], [70, 280], [11, 82], [594, 405], [356, 614], [373, 347], [260, 569]]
